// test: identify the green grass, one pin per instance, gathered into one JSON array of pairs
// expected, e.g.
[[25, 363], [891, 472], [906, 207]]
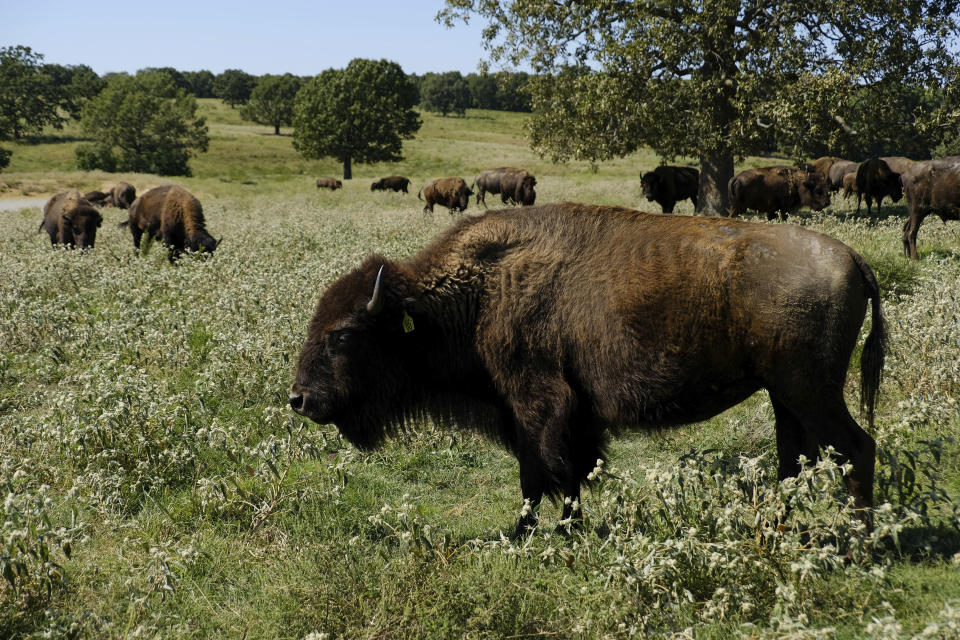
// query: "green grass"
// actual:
[[143, 424]]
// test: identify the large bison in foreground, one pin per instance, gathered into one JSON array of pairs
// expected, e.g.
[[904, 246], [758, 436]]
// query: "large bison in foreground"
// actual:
[[776, 191], [69, 219], [547, 327], [667, 184], [172, 215], [452, 193], [931, 187]]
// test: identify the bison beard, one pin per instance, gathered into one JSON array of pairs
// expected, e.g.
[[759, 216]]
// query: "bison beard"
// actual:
[[547, 327]]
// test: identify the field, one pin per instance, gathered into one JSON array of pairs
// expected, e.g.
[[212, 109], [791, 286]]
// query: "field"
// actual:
[[157, 485]]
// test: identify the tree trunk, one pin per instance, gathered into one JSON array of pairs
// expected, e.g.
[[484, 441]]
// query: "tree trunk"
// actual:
[[276, 129], [716, 169], [347, 173]]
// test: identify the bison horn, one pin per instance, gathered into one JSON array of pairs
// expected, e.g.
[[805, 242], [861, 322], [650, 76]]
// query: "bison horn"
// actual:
[[376, 302]]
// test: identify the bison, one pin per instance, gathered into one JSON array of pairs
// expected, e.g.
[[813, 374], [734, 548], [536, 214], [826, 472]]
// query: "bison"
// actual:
[[391, 183], [776, 190], [931, 187], [120, 195], [517, 187], [666, 185], [69, 219], [329, 183], [850, 185], [452, 193], [488, 181], [822, 165], [172, 215], [875, 179], [836, 172], [548, 327], [898, 164]]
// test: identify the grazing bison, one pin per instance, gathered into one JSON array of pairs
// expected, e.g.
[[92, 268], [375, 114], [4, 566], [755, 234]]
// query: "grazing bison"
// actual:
[[776, 190], [488, 181], [517, 187], [836, 172], [931, 187], [392, 183], [547, 327], [822, 165], [97, 198], [667, 184], [452, 193], [875, 179], [329, 183], [68, 218], [850, 186], [122, 195], [172, 215]]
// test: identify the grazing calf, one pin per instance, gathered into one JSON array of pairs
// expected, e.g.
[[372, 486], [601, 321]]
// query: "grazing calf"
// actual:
[[329, 183]]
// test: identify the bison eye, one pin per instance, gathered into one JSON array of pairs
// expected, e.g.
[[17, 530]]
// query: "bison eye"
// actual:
[[337, 339]]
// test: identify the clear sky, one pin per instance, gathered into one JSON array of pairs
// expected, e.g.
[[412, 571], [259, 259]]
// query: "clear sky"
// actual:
[[269, 36]]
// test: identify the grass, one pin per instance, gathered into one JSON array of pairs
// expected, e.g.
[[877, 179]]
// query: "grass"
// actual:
[[143, 428]]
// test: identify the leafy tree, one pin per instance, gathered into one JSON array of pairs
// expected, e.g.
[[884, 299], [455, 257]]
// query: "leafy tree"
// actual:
[[74, 84], [271, 101], [361, 113], [444, 93], [234, 86], [178, 78], [144, 124], [483, 90], [713, 79], [513, 93], [200, 83], [28, 97]]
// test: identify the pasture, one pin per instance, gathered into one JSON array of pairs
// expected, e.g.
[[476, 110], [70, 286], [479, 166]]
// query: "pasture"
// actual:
[[157, 485]]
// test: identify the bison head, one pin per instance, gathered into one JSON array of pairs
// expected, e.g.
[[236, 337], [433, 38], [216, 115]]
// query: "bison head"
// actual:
[[78, 227], [526, 194], [813, 192], [203, 243], [347, 370], [650, 183]]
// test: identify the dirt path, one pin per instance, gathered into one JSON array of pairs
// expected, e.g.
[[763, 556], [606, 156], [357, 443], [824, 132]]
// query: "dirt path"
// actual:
[[12, 204]]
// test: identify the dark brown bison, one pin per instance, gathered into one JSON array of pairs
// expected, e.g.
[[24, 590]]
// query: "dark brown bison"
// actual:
[[452, 193], [488, 181], [836, 172], [666, 185], [69, 219], [931, 187], [97, 198], [122, 195], [549, 326], [517, 187], [392, 183], [776, 190], [329, 183], [172, 215], [875, 179]]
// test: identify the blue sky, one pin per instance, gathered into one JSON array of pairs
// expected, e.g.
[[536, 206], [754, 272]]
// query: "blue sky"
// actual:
[[270, 36]]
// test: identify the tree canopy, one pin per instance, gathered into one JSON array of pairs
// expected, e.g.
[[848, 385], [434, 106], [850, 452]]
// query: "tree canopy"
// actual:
[[144, 124], [29, 97], [359, 114], [717, 79], [271, 101], [445, 93], [234, 86]]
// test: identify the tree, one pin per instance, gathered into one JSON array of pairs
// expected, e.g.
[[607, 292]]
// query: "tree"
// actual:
[[144, 124], [713, 79], [444, 93], [178, 78], [234, 86], [271, 101], [29, 99], [361, 113], [483, 90], [74, 85], [200, 83]]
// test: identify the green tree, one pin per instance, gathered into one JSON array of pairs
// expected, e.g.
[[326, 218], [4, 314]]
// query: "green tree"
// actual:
[[74, 84], [29, 98], [144, 124], [713, 79], [234, 86], [178, 78], [200, 83], [271, 101], [444, 93], [483, 90], [361, 113]]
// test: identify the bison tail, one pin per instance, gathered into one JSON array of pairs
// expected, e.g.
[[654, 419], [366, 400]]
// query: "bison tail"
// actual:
[[418, 194], [874, 348]]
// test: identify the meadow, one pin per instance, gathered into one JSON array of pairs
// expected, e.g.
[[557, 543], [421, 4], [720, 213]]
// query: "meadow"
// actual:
[[157, 485]]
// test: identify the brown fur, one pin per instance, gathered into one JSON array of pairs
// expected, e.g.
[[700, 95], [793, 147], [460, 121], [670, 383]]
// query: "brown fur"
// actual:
[[549, 326], [393, 183], [172, 215], [452, 193], [875, 179], [97, 198], [822, 166], [68, 218], [850, 185], [776, 191], [517, 187], [667, 184], [898, 164], [329, 183], [488, 181], [836, 172], [122, 195], [931, 187]]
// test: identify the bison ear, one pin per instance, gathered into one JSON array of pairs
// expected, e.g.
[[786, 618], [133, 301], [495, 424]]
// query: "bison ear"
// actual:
[[375, 305]]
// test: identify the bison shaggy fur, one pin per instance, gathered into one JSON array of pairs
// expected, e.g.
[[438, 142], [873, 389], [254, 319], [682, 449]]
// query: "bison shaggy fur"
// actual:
[[776, 190], [549, 327], [391, 183], [69, 219], [452, 193], [931, 187], [172, 215], [667, 184]]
